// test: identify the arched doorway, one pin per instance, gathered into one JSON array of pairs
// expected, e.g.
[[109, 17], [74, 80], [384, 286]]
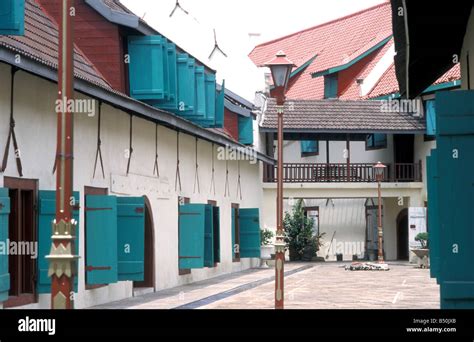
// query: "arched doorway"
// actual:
[[402, 235], [149, 277]]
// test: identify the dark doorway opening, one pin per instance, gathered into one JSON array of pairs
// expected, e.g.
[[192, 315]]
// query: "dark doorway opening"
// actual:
[[149, 276], [22, 233], [404, 153], [402, 235]]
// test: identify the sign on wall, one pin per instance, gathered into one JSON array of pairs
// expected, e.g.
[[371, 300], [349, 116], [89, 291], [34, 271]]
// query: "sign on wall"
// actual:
[[416, 225]]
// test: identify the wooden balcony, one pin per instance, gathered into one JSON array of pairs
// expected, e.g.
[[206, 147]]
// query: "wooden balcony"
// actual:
[[342, 173]]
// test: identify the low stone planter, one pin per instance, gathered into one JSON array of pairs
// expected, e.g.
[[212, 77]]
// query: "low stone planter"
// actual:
[[422, 255], [266, 253]]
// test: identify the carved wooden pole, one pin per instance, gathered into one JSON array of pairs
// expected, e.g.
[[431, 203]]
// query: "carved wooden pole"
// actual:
[[62, 258]]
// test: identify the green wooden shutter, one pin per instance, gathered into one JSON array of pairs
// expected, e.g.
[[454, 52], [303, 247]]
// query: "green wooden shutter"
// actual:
[[46, 215], [186, 84], [433, 212], [101, 240], [246, 130], [330, 86], [171, 73], [217, 233], [209, 237], [249, 223], [4, 214], [309, 147], [192, 223], [210, 80], [430, 117], [131, 238], [234, 221], [220, 109], [200, 92], [12, 17], [147, 67]]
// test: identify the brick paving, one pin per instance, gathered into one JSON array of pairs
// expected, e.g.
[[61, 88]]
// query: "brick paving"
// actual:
[[322, 286]]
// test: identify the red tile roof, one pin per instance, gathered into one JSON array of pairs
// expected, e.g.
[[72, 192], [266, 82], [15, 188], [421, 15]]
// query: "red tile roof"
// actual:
[[388, 83], [40, 43], [335, 43]]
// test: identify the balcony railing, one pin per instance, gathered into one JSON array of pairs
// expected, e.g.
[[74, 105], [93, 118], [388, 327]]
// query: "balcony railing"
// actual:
[[342, 173]]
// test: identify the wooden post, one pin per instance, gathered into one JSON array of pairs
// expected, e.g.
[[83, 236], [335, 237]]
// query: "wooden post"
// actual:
[[62, 257]]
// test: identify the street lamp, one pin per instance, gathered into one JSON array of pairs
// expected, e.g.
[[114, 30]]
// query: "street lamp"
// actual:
[[379, 176], [280, 67]]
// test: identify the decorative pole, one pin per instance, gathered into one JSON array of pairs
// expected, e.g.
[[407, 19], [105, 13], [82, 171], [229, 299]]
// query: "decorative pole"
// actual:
[[281, 68], [62, 258]]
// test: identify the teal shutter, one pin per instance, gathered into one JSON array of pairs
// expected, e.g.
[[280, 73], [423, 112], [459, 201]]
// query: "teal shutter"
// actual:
[[186, 84], [170, 68], [249, 223], [330, 86], [217, 233], [46, 215], [246, 130], [12, 17], [430, 117], [433, 212], [376, 141], [309, 147], [209, 237], [192, 223], [4, 214], [101, 240], [200, 92], [220, 109], [234, 221], [147, 67], [210, 80], [131, 238]]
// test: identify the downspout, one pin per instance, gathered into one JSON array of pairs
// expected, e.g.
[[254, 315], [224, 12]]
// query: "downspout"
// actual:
[[407, 43]]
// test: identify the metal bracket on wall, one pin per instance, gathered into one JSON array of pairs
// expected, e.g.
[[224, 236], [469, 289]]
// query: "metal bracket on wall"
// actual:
[[98, 154], [213, 181], [177, 180], [130, 150], [196, 176], [11, 132], [156, 169]]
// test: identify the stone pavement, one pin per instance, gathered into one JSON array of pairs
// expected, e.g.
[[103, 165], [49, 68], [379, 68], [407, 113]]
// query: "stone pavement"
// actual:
[[307, 286]]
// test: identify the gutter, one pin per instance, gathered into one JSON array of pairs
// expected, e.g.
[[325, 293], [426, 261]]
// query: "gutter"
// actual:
[[128, 104], [124, 19], [407, 37]]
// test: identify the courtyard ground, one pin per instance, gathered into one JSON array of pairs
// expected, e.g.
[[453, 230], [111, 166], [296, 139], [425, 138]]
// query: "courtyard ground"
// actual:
[[307, 286]]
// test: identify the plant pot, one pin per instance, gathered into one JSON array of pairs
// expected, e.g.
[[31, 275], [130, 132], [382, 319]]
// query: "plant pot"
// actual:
[[266, 252], [309, 252], [294, 255]]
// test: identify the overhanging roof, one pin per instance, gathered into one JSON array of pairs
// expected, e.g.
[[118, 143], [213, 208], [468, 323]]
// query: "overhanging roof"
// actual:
[[426, 39], [341, 117]]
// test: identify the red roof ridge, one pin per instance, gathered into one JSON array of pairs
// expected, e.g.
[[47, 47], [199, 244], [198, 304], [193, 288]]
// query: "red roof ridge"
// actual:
[[386, 3]]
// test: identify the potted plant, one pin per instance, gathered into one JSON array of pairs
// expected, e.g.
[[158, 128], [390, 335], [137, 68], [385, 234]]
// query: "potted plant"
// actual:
[[299, 236], [266, 247], [423, 252]]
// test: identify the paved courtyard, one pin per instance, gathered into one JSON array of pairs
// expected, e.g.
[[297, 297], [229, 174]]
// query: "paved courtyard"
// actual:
[[307, 286]]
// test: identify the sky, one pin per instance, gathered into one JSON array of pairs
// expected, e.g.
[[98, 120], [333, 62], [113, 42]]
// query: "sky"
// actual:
[[239, 25]]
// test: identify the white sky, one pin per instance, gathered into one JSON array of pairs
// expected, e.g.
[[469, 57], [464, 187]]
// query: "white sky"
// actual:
[[233, 21]]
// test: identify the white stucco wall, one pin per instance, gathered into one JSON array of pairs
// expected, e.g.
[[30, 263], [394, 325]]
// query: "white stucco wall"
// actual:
[[36, 133]]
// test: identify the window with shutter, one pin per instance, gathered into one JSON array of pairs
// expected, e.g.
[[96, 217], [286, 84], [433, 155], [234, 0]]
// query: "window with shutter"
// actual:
[[235, 233], [4, 214], [209, 237], [376, 141], [217, 234], [430, 111], [147, 67], [101, 239], [309, 148], [46, 215], [330, 86], [220, 99], [131, 238], [192, 225], [246, 130], [200, 93], [186, 84], [12, 17], [249, 223]]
